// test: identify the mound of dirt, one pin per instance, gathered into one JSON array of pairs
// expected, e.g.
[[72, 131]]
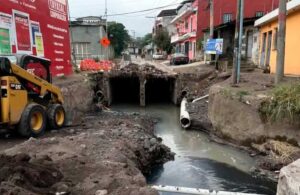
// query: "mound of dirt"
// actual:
[[20, 174], [108, 153]]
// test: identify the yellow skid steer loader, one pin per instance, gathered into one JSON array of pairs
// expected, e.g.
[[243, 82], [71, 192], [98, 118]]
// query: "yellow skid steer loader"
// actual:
[[29, 102]]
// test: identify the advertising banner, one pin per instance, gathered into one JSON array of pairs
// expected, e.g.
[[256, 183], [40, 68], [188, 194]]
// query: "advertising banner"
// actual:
[[22, 30], [5, 47], [37, 27], [6, 22], [39, 45], [214, 46]]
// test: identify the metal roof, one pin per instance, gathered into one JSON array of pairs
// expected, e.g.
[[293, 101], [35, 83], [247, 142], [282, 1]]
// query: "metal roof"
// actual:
[[167, 12], [292, 6]]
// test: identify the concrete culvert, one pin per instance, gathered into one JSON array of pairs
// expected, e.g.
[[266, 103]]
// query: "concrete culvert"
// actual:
[[125, 90], [159, 90]]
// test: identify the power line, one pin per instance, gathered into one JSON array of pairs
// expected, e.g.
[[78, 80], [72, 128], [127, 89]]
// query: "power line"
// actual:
[[146, 10]]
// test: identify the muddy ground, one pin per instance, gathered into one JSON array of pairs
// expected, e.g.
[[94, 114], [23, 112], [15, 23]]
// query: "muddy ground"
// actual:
[[270, 154], [108, 153]]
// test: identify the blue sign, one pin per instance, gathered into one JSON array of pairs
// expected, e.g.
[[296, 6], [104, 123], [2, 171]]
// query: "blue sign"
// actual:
[[214, 46], [35, 28]]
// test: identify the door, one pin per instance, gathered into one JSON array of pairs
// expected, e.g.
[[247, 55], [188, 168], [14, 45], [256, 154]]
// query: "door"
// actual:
[[249, 44], [194, 50], [186, 48], [269, 48], [263, 51]]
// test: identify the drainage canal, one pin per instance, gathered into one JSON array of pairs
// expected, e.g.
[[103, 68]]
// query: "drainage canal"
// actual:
[[199, 163]]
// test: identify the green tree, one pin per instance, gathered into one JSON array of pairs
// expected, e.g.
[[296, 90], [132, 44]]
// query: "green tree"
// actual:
[[119, 37], [147, 39], [163, 41]]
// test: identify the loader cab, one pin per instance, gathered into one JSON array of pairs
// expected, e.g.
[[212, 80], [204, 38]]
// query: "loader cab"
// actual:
[[35, 65]]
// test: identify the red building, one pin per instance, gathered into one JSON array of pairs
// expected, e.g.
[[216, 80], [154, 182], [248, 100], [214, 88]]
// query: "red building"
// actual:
[[225, 11]]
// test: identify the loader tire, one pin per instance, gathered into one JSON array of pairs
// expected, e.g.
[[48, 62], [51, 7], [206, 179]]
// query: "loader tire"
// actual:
[[56, 116], [33, 121], [5, 66]]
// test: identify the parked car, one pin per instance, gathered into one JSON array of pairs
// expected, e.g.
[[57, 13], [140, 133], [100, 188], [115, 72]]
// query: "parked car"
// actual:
[[178, 59], [159, 56]]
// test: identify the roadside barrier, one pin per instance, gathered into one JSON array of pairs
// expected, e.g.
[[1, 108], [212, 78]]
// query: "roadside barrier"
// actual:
[[92, 65]]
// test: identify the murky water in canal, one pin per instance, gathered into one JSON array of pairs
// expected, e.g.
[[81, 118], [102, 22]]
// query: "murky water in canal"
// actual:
[[199, 163]]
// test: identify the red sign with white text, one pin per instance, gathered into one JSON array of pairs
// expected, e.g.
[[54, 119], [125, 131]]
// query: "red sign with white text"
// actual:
[[22, 33], [39, 25]]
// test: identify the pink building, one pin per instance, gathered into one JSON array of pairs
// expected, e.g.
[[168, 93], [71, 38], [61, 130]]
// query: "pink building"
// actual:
[[185, 37]]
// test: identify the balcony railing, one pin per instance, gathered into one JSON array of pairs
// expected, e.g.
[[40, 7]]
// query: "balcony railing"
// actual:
[[190, 10], [176, 38]]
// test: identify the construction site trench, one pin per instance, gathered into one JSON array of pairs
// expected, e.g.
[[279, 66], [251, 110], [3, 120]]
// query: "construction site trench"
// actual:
[[198, 162], [134, 140]]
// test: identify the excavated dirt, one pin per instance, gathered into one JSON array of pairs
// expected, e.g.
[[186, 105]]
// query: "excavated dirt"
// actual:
[[199, 87], [106, 154]]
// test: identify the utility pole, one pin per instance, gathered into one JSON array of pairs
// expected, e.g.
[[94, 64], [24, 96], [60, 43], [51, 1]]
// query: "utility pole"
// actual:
[[211, 26], [211, 29], [106, 26], [238, 42], [133, 41], [281, 42], [72, 37]]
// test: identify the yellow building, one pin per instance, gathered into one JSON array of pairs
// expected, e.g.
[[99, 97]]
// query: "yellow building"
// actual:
[[268, 28]]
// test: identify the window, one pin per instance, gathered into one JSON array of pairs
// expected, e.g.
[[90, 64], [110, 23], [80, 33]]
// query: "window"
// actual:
[[81, 50], [259, 14], [190, 46], [191, 25], [227, 18], [186, 24], [275, 37]]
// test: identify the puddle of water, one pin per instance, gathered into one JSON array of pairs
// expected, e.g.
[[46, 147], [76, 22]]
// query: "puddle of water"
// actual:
[[199, 163]]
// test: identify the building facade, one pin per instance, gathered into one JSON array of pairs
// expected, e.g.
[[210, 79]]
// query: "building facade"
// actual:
[[225, 11], [86, 33], [185, 37], [268, 29], [163, 20]]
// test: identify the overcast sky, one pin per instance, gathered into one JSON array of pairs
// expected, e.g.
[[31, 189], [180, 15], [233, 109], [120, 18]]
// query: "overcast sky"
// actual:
[[134, 22]]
